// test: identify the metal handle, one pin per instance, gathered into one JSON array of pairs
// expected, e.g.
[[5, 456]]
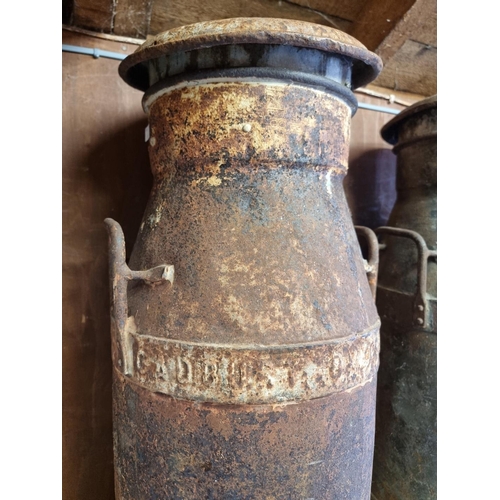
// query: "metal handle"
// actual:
[[371, 266], [421, 306], [119, 275]]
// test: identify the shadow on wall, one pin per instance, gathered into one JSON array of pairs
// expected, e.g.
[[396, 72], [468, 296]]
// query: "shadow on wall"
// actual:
[[370, 187], [119, 168], [111, 179]]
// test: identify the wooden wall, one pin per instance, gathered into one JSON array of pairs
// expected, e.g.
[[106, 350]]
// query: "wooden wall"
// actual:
[[106, 173]]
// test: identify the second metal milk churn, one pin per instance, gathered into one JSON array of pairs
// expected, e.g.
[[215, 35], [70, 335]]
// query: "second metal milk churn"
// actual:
[[405, 466], [245, 336]]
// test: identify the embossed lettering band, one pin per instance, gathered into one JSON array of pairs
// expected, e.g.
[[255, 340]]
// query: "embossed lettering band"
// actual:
[[254, 374]]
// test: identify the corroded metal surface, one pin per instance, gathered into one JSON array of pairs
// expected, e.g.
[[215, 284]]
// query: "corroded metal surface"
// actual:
[[405, 464], [175, 449], [253, 375]]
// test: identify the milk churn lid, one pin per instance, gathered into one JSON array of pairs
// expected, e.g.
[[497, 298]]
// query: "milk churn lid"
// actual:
[[366, 65], [389, 131]]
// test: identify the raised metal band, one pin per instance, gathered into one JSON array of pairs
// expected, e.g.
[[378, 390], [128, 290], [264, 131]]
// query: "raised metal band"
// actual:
[[254, 374], [255, 75]]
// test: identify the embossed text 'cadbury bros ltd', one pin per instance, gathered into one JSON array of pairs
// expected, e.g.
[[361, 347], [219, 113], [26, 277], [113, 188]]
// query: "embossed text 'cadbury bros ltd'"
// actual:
[[245, 336]]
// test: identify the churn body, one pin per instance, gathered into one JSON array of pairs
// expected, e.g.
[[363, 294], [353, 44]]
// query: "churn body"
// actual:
[[245, 337], [405, 465]]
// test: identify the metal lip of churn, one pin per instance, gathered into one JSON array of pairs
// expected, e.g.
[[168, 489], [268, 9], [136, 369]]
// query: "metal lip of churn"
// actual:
[[256, 31], [391, 130], [405, 464], [253, 374]]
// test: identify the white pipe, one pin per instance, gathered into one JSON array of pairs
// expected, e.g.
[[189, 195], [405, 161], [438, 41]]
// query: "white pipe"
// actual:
[[96, 53], [381, 109]]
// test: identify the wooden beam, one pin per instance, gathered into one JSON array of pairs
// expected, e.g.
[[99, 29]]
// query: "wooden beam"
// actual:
[[132, 18], [418, 24], [378, 19], [407, 46], [169, 14], [413, 68], [103, 36], [346, 9], [409, 52], [94, 14]]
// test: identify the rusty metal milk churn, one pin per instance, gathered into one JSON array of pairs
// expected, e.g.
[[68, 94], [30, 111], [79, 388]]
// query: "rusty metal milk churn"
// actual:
[[245, 337], [405, 464]]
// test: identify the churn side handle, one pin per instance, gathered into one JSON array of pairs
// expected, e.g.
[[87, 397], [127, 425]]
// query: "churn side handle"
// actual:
[[119, 275], [421, 304], [371, 266]]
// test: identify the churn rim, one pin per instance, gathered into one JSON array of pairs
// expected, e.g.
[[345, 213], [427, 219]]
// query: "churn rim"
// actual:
[[389, 131], [366, 64]]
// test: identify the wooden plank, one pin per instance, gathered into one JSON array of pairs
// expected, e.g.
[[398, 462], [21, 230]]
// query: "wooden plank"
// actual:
[[378, 19], [132, 18], [409, 51], [103, 36], [169, 14], [418, 24], [413, 68], [94, 14], [105, 173], [346, 9]]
